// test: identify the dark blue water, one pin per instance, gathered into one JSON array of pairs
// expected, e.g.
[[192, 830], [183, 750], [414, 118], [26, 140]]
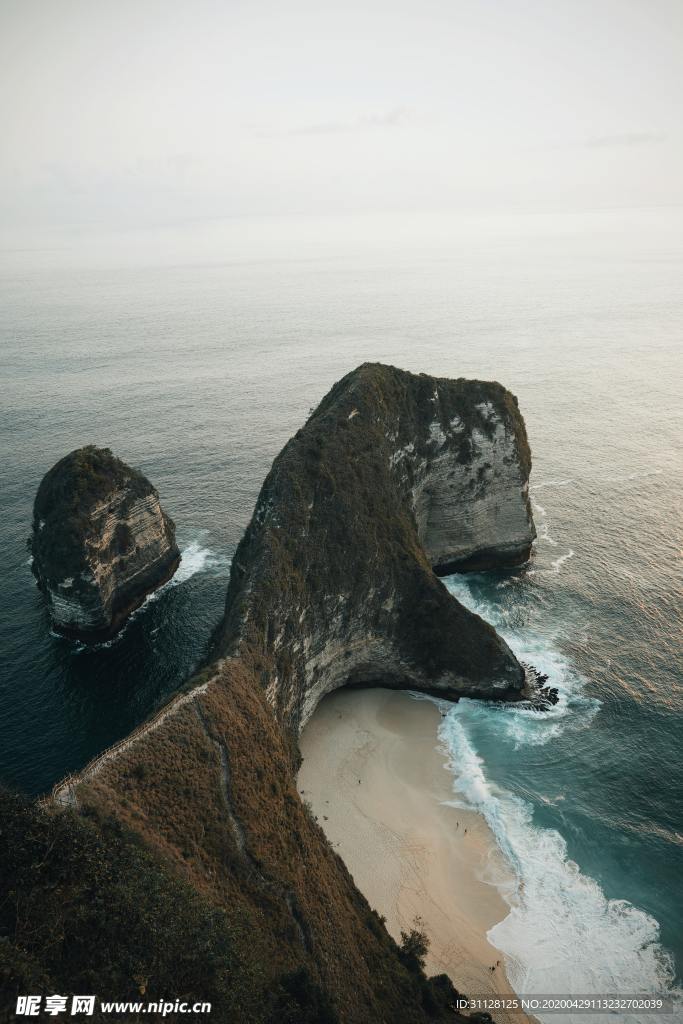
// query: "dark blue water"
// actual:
[[198, 367]]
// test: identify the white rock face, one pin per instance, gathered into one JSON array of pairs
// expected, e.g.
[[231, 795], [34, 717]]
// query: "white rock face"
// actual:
[[115, 570], [476, 512]]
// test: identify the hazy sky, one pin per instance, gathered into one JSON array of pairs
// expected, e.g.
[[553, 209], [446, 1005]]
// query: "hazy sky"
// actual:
[[117, 112]]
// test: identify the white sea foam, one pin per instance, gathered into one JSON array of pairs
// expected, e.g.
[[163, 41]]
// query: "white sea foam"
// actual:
[[544, 534], [194, 558], [561, 935], [522, 725], [559, 562], [543, 531]]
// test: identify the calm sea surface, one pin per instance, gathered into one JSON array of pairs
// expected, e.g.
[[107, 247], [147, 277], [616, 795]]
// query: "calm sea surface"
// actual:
[[197, 361]]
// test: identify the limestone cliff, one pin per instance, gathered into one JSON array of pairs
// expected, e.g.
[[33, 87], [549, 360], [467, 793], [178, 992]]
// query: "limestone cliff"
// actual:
[[101, 542], [394, 475], [332, 584]]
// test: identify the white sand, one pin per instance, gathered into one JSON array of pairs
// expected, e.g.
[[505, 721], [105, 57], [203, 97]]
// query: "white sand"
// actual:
[[376, 780]]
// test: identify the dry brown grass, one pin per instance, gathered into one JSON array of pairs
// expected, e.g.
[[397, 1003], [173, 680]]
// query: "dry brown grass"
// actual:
[[305, 910]]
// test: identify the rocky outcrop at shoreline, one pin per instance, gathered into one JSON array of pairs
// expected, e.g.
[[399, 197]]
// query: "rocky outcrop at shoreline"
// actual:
[[101, 543], [393, 478]]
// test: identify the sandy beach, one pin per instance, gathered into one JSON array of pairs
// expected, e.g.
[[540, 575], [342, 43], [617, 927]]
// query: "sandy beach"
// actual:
[[376, 780]]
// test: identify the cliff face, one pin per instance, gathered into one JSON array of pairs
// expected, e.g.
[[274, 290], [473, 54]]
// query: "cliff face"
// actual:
[[331, 584], [471, 493], [393, 475], [101, 542]]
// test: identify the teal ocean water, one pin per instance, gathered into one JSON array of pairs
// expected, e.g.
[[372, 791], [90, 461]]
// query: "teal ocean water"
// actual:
[[195, 356]]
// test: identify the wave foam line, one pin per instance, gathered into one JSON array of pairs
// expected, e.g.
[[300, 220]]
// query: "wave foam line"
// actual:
[[562, 934], [523, 726], [543, 531], [559, 562]]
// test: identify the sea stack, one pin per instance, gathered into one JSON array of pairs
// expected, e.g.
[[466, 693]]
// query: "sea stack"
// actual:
[[101, 543], [395, 479]]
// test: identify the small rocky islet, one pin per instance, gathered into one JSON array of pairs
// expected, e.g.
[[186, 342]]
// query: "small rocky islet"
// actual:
[[100, 543]]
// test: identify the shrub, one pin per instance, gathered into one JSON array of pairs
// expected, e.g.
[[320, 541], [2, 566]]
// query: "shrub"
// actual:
[[414, 947]]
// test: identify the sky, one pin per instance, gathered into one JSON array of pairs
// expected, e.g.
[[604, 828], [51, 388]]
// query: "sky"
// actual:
[[118, 113]]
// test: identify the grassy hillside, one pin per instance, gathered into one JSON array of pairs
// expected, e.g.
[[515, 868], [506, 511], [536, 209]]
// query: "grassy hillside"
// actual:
[[195, 872]]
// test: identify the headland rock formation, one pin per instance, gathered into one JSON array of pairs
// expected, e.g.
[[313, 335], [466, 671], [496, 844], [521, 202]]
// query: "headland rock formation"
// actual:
[[100, 543], [333, 584], [394, 478]]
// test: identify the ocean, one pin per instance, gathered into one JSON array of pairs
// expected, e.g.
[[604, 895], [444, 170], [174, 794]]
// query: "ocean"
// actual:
[[195, 353]]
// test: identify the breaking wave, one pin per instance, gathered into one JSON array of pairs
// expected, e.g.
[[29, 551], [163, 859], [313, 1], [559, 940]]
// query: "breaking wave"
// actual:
[[562, 934], [522, 725]]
